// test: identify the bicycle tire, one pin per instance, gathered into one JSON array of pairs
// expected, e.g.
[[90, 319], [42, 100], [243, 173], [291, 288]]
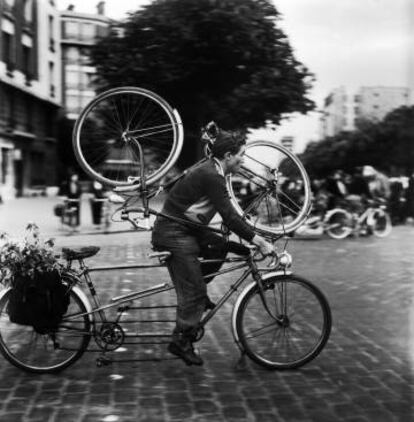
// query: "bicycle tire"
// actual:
[[277, 195], [305, 310], [36, 353], [381, 223], [105, 135], [338, 224]]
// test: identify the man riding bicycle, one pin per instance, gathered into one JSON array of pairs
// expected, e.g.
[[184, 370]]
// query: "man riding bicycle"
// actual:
[[196, 198]]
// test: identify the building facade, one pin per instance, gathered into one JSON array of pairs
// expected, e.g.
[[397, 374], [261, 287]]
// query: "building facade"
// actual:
[[30, 95], [342, 112], [80, 31], [336, 113], [374, 103], [288, 142]]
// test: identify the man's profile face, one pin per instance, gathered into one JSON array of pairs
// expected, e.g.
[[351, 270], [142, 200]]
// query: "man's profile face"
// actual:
[[236, 160]]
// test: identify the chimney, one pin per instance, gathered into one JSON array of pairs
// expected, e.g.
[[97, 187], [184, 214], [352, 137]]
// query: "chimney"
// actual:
[[100, 7]]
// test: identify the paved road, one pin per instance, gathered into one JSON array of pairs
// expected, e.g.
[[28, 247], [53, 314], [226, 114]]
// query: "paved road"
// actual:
[[365, 373]]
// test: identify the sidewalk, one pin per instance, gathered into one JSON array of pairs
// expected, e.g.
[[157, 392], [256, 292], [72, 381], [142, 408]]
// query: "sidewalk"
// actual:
[[17, 213]]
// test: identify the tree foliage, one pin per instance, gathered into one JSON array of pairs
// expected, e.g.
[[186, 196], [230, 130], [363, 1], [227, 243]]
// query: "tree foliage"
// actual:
[[222, 60], [387, 145]]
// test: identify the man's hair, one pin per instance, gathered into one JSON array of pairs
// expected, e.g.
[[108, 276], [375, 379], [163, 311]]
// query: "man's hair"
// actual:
[[227, 142]]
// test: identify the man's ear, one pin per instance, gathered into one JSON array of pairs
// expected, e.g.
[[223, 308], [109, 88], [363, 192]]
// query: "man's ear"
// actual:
[[227, 155]]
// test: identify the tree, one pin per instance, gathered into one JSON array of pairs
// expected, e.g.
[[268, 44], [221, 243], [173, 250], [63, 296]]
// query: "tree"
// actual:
[[387, 145], [222, 60]]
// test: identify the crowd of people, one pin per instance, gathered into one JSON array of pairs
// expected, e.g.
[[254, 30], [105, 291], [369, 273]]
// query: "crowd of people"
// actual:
[[366, 183]]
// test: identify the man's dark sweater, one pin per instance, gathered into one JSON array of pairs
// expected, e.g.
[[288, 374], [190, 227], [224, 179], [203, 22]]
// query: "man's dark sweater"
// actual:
[[200, 194]]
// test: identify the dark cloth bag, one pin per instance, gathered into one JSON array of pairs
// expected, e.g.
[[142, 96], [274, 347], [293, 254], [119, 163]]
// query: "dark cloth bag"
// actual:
[[213, 246], [40, 301]]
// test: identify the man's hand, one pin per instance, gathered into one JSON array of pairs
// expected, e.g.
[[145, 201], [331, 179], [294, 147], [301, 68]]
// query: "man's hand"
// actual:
[[265, 247]]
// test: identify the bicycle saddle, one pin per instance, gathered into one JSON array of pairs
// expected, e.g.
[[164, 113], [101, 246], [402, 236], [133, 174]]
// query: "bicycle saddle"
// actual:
[[80, 253]]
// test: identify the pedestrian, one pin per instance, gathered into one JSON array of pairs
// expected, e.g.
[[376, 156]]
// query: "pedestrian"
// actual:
[[397, 201], [337, 189], [378, 183], [97, 200], [71, 189], [196, 198], [409, 197]]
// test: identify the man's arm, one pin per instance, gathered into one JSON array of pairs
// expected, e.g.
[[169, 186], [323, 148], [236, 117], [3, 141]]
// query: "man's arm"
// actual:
[[216, 190]]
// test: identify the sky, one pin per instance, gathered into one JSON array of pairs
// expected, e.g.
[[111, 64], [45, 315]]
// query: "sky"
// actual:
[[349, 43]]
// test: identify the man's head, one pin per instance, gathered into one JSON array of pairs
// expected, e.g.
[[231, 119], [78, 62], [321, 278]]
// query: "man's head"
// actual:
[[229, 149]]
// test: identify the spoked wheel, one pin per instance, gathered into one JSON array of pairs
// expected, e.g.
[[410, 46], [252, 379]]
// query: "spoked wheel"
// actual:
[[107, 133], [26, 349], [272, 190], [292, 330], [381, 223], [338, 224]]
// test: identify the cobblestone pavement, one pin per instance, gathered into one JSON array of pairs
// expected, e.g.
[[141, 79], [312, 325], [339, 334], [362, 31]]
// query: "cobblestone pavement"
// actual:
[[365, 373]]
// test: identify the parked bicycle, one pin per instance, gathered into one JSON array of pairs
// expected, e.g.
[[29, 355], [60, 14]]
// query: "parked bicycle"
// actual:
[[340, 223], [129, 138]]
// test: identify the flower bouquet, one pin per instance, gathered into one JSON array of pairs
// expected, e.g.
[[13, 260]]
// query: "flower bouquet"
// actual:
[[38, 297]]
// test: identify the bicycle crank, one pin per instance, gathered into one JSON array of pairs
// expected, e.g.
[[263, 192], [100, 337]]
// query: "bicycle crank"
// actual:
[[110, 337]]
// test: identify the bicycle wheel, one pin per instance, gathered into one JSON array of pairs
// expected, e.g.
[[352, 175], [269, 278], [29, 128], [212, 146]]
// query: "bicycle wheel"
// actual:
[[272, 190], [380, 222], [338, 224], [107, 132], [293, 330], [26, 349]]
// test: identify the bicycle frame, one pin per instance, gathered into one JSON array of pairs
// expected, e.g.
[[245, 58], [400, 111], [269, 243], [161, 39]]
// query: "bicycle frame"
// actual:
[[123, 302]]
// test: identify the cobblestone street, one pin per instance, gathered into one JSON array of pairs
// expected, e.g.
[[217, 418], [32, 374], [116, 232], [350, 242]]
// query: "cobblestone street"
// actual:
[[363, 374]]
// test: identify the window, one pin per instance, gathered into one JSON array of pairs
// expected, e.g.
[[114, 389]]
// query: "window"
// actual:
[[86, 80], [9, 109], [51, 33], [7, 49], [52, 78], [72, 103], [88, 32], [28, 10], [5, 160], [72, 78], [71, 29], [71, 55], [84, 55], [27, 53], [29, 115], [37, 168]]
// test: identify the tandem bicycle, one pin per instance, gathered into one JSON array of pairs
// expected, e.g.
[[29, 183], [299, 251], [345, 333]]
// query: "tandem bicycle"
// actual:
[[129, 138]]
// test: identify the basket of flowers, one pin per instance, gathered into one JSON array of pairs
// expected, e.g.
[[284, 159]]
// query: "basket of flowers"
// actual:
[[32, 271]]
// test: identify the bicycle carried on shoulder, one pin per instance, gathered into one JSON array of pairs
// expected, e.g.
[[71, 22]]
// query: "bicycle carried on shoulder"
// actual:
[[129, 138]]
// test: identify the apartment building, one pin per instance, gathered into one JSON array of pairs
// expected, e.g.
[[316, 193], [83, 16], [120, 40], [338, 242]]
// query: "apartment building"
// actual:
[[288, 142], [30, 95], [342, 111], [335, 113], [374, 103], [79, 32]]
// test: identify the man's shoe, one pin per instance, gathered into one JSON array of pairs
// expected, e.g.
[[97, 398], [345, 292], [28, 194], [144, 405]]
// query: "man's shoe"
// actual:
[[187, 354]]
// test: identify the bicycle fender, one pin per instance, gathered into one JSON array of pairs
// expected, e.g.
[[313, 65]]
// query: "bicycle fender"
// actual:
[[244, 292], [86, 302]]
